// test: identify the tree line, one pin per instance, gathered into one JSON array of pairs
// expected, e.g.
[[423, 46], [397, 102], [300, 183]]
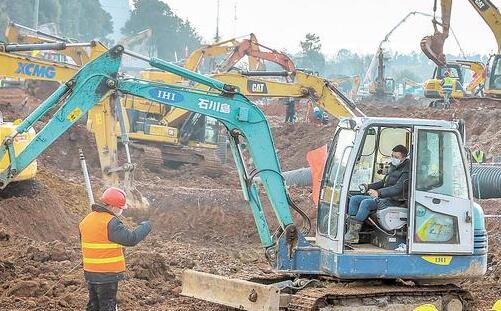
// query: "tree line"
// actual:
[[87, 20]]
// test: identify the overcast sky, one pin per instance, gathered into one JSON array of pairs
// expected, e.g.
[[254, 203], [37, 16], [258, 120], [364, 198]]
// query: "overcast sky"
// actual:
[[358, 25]]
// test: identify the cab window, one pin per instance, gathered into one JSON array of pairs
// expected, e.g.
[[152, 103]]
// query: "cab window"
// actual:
[[330, 195], [440, 166]]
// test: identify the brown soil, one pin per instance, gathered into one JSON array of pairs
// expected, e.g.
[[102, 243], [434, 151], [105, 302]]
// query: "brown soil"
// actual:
[[200, 222]]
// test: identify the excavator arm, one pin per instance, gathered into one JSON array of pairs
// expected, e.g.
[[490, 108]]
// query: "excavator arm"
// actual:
[[478, 69], [101, 118], [251, 49], [319, 90], [73, 99], [433, 46], [21, 66], [491, 15], [79, 54], [243, 119]]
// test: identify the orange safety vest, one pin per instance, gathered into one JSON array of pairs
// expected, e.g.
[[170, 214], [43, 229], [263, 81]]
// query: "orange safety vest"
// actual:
[[99, 253]]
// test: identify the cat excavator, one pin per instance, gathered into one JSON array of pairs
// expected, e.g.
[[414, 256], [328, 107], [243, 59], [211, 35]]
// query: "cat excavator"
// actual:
[[441, 227], [433, 46], [433, 87]]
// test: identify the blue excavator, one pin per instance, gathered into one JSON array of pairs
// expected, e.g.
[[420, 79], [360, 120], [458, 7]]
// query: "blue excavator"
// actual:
[[435, 237]]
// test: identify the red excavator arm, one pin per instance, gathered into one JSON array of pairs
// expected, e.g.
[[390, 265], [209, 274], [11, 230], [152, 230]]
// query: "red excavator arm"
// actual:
[[248, 48]]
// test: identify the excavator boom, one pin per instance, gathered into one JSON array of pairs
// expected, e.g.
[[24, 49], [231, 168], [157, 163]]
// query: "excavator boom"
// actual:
[[433, 46], [319, 90], [251, 49], [79, 54], [243, 119], [74, 98]]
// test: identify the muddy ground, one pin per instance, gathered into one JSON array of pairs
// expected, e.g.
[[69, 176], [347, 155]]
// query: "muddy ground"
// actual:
[[200, 222]]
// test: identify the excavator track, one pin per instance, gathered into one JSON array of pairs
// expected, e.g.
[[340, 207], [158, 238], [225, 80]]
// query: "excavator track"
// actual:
[[353, 296], [154, 157], [150, 156]]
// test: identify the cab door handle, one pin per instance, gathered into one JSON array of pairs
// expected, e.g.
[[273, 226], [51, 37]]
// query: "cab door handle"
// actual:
[[467, 218]]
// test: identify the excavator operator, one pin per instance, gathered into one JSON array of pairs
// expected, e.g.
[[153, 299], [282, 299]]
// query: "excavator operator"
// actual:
[[379, 195], [102, 237]]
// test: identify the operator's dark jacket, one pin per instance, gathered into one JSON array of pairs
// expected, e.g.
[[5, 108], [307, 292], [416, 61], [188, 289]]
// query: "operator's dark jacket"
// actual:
[[391, 188], [117, 233]]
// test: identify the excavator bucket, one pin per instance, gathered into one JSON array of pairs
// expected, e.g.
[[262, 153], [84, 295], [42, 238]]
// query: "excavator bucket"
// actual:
[[433, 47], [234, 293]]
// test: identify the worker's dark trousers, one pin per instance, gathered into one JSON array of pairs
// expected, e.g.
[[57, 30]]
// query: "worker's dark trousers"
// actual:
[[102, 297]]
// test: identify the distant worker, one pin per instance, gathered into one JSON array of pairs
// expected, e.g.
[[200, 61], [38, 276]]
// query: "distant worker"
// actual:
[[477, 154], [496, 306], [387, 192], [320, 116], [103, 236], [290, 110], [426, 307], [448, 83]]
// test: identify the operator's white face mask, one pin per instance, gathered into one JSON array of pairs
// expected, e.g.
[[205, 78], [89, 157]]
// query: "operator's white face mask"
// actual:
[[395, 161]]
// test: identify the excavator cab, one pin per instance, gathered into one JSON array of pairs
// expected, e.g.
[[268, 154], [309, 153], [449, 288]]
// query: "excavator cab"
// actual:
[[434, 215], [433, 86], [493, 81]]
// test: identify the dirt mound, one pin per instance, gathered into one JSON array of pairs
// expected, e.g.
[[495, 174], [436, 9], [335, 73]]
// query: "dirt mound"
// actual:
[[46, 208], [16, 103]]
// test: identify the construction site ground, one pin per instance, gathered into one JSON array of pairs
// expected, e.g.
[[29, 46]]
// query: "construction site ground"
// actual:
[[200, 222]]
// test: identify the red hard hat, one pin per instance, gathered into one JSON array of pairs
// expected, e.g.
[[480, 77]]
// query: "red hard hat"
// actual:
[[114, 197]]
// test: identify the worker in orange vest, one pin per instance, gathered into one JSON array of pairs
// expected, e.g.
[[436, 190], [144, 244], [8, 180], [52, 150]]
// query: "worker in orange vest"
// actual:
[[103, 237]]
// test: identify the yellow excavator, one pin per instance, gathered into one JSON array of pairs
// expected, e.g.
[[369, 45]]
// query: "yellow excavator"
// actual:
[[382, 87], [433, 46], [321, 91], [17, 63], [433, 87], [353, 84], [172, 136], [182, 137]]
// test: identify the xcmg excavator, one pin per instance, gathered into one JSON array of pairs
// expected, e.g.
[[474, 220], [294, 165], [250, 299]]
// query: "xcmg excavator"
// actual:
[[433, 46], [441, 227], [17, 64], [433, 87]]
